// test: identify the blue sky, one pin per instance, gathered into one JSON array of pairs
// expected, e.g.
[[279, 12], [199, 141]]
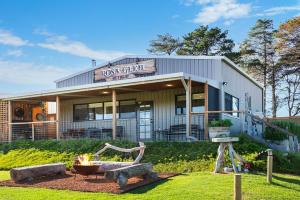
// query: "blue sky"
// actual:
[[41, 41]]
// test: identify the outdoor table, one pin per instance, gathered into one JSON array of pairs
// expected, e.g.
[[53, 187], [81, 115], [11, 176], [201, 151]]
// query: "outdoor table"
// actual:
[[224, 143]]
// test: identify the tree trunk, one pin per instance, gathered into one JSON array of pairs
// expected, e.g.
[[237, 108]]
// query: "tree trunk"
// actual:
[[274, 100]]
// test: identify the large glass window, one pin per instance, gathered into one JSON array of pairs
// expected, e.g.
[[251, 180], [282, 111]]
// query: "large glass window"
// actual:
[[197, 103], [108, 110], [231, 103], [127, 109], [100, 111], [95, 111], [81, 112]]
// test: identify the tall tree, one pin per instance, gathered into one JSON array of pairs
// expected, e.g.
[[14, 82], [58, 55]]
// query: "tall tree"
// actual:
[[288, 47], [164, 44], [205, 41], [259, 58], [291, 93]]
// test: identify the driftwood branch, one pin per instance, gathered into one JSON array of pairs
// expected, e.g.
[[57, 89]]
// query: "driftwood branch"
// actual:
[[141, 148]]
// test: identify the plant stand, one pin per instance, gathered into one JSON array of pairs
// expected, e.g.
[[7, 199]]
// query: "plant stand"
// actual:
[[224, 143]]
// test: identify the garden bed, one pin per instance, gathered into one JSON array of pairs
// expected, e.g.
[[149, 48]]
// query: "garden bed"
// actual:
[[84, 183]]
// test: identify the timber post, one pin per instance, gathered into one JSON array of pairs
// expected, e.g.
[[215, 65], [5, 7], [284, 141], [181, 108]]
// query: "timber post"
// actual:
[[237, 187], [57, 118], [206, 111], [114, 114], [269, 166], [9, 124]]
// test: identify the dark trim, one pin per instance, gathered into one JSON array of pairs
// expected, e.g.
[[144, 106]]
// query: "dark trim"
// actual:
[[238, 115]]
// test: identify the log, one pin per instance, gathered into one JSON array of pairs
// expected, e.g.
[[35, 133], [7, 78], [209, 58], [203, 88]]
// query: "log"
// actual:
[[110, 165], [121, 175], [32, 172]]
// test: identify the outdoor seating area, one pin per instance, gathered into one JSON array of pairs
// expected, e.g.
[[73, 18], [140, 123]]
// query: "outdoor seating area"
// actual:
[[93, 132]]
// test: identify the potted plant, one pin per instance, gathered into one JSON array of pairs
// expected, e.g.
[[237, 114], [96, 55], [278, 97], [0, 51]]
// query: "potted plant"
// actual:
[[219, 128]]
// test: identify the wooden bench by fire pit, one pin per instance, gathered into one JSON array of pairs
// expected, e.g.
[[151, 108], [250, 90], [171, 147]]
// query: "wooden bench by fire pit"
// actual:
[[32, 172], [121, 175]]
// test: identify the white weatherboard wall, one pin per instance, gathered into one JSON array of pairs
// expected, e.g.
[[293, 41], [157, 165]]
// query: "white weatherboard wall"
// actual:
[[238, 85]]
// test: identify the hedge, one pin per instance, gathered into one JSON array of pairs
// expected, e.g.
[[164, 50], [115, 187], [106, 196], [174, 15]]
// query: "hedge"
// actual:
[[166, 156], [275, 135]]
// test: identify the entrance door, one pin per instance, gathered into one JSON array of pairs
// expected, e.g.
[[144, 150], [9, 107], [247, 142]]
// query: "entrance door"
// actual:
[[145, 120]]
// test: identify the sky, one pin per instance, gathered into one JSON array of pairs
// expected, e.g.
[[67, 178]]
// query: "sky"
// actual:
[[41, 41]]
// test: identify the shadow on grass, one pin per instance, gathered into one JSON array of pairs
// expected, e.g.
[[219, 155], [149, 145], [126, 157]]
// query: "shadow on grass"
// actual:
[[287, 180], [149, 187]]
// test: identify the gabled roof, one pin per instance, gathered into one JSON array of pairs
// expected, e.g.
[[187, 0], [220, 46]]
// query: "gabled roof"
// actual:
[[223, 58]]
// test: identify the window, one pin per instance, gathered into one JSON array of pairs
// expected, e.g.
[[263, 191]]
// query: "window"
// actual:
[[81, 112], [231, 103], [197, 103], [108, 110], [100, 111], [95, 111], [127, 109]]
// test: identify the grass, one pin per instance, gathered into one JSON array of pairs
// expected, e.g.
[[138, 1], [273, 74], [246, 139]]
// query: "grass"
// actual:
[[200, 185]]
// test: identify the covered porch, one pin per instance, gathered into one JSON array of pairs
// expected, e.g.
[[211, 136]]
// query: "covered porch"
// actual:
[[173, 107]]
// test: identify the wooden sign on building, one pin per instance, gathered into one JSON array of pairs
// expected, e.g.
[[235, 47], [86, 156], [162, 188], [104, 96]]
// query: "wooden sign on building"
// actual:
[[125, 71]]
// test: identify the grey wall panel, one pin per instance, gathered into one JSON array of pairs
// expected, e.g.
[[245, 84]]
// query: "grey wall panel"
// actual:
[[206, 68], [238, 85]]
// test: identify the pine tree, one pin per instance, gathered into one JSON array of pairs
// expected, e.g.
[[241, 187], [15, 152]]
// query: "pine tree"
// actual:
[[164, 44], [259, 58], [205, 41]]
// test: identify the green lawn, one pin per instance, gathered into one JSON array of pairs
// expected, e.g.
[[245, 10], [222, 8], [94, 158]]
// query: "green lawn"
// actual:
[[191, 186]]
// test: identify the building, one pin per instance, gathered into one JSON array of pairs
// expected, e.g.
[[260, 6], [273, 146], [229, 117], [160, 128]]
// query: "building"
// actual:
[[138, 98]]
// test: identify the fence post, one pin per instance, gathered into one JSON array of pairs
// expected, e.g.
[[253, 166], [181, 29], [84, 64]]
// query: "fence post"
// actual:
[[237, 187], [269, 165], [32, 132]]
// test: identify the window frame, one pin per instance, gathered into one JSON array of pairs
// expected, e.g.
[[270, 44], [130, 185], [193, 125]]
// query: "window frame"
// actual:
[[103, 114], [237, 115], [183, 94]]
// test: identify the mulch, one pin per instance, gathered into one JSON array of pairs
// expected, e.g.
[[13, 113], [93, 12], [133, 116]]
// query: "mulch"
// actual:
[[85, 184]]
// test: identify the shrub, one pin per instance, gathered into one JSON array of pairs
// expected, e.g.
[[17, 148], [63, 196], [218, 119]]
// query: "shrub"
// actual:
[[166, 156], [275, 135], [220, 123]]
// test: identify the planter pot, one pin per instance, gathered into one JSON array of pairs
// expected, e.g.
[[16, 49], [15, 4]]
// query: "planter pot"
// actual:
[[218, 132]]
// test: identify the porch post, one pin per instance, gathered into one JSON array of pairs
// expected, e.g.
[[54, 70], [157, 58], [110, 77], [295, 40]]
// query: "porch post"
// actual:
[[188, 89], [114, 114], [188, 107], [206, 111], [9, 116], [57, 118], [221, 99]]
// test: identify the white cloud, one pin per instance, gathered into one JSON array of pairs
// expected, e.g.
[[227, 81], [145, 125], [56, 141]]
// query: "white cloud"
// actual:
[[279, 10], [27, 73], [214, 10], [228, 22], [63, 44], [15, 52], [7, 38]]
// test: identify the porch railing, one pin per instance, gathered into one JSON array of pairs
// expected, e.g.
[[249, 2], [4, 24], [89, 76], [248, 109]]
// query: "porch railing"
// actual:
[[127, 129]]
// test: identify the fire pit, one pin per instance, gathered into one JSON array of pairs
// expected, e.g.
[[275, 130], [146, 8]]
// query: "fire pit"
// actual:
[[83, 166], [86, 169]]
